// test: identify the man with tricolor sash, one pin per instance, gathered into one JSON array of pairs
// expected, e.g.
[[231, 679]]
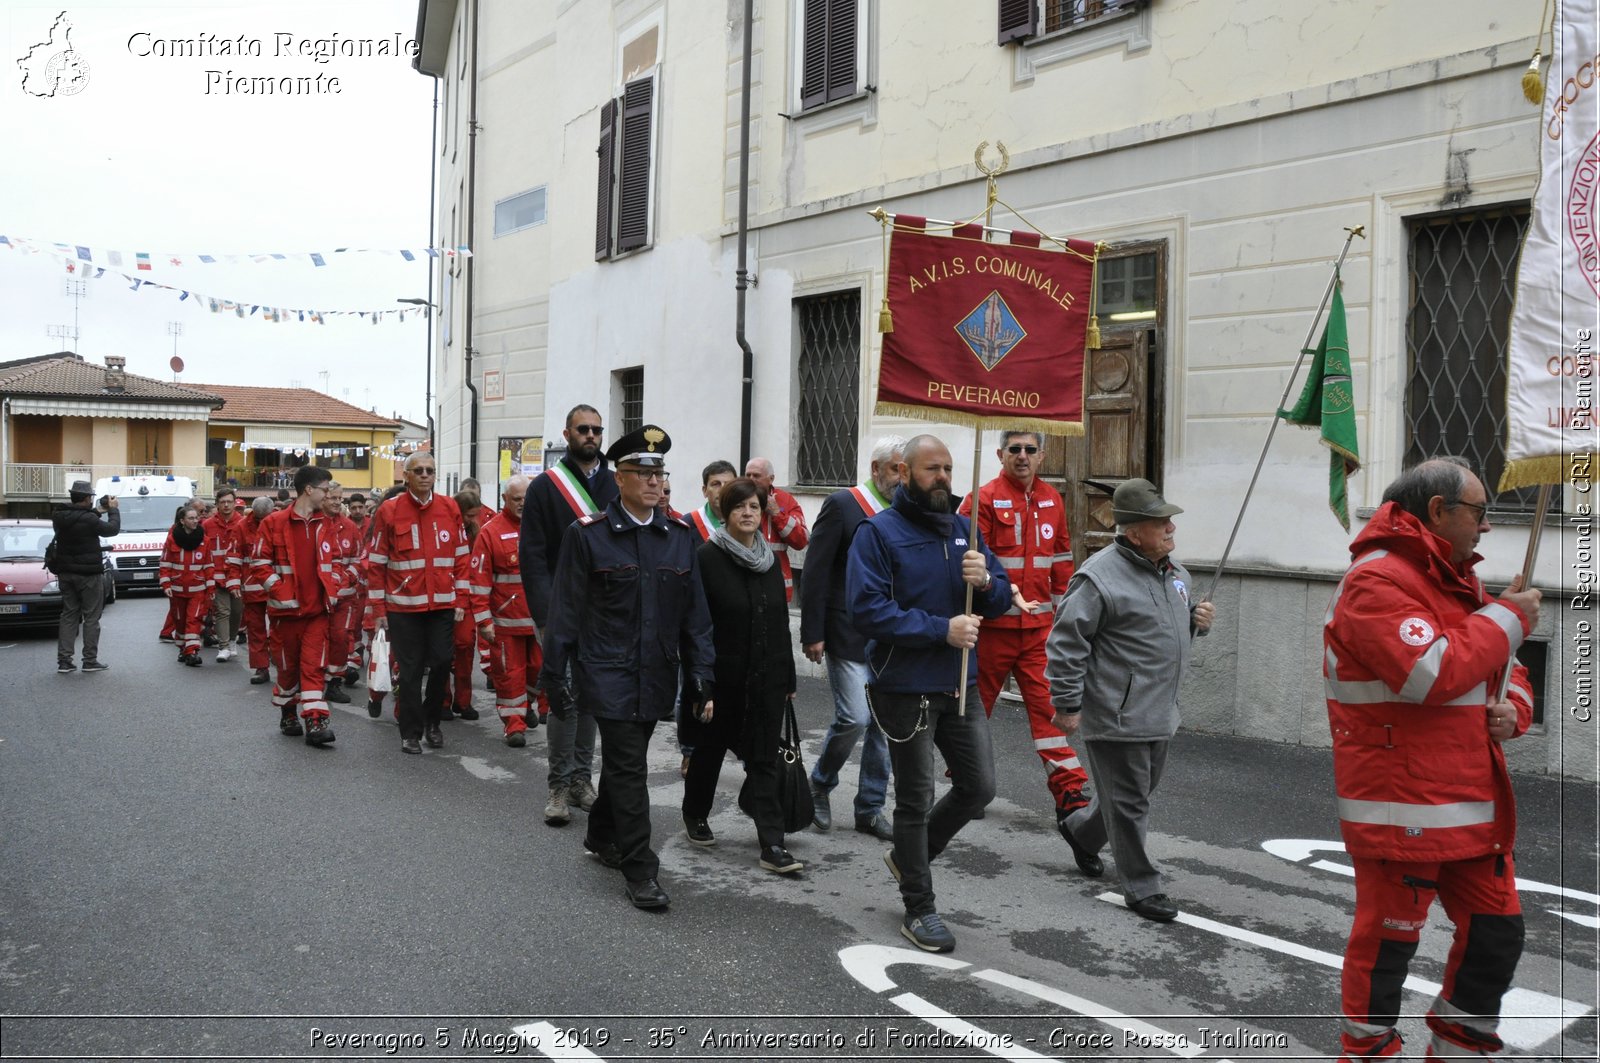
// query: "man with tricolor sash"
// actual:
[[713, 478], [826, 630], [577, 486]]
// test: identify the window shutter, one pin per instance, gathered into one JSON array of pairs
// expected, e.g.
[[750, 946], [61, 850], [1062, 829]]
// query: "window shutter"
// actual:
[[814, 58], [842, 48], [633, 185], [1018, 19], [602, 214]]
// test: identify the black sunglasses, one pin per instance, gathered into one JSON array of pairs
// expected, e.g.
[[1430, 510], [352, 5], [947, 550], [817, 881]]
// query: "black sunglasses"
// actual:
[[1019, 448], [588, 429]]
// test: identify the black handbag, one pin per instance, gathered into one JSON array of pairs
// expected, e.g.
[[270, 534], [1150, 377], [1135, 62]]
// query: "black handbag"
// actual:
[[794, 782]]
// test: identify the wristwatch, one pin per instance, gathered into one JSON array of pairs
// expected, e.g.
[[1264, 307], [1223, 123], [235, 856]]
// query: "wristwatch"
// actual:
[[988, 581]]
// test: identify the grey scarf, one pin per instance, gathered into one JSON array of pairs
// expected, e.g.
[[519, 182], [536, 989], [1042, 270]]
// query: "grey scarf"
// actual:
[[757, 560]]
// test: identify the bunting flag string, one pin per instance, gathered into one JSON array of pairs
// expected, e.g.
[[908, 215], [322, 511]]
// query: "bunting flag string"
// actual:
[[243, 308], [385, 452], [145, 260]]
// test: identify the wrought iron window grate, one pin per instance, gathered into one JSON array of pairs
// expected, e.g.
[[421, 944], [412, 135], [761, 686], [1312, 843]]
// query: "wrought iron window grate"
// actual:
[[1463, 270], [830, 372], [630, 383], [1071, 14]]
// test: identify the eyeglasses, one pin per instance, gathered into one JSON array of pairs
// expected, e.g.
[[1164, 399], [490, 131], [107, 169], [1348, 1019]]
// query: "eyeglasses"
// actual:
[[1472, 505], [588, 429], [422, 472], [1019, 448], [651, 474]]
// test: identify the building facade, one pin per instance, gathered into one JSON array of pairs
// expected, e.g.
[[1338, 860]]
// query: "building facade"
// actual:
[[591, 156]]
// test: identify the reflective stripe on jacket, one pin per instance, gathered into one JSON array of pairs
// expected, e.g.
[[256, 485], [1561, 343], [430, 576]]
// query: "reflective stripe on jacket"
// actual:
[[186, 571], [495, 575], [1413, 649], [418, 558], [1027, 531]]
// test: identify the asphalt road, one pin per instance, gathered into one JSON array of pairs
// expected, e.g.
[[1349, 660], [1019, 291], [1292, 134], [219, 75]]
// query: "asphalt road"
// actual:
[[178, 880]]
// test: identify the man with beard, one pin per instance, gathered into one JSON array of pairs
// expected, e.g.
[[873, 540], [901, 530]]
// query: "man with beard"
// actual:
[[910, 567], [579, 485]]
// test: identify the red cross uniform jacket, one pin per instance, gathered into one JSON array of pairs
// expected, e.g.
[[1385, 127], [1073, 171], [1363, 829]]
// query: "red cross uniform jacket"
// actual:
[[418, 558], [222, 538], [1413, 652], [1027, 531], [296, 562], [787, 531], [496, 578], [186, 572], [347, 551], [241, 572]]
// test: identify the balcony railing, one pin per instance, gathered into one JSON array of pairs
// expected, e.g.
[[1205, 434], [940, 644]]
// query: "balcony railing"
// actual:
[[46, 483]]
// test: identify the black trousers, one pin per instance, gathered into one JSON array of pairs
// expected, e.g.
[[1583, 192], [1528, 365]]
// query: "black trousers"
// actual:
[[621, 812], [421, 643]]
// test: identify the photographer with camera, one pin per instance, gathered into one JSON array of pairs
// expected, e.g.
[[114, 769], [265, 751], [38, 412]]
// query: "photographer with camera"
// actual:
[[80, 524]]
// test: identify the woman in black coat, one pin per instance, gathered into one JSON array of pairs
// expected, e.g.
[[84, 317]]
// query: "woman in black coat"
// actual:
[[755, 677]]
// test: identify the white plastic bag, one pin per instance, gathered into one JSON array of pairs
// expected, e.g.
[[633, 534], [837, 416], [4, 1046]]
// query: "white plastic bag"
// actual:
[[378, 663]]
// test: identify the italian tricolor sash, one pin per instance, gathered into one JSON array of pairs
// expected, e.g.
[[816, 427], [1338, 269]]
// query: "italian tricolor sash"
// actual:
[[705, 522], [868, 498], [572, 490]]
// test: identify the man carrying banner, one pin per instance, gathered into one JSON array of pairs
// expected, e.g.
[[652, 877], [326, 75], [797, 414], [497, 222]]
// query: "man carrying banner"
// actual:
[[577, 486], [783, 523], [906, 583], [713, 478], [1023, 521], [826, 628], [1414, 652]]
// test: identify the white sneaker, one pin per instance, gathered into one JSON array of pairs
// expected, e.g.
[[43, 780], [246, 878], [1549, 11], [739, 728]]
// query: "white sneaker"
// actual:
[[225, 654]]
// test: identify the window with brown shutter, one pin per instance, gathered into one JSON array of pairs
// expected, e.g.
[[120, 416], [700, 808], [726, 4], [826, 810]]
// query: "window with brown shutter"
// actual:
[[828, 51], [1018, 19], [626, 154], [1022, 19]]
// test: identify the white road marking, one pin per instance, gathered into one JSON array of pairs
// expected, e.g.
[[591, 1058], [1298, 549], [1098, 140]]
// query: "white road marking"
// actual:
[[869, 964], [1527, 1018], [975, 1036], [542, 1037], [482, 769]]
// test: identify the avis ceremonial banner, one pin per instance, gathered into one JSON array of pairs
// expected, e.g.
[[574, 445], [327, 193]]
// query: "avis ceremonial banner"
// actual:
[[1550, 422], [985, 332]]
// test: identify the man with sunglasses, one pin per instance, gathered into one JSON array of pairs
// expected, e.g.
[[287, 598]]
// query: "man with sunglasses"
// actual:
[[626, 606], [417, 587], [579, 485], [1414, 653], [1024, 522]]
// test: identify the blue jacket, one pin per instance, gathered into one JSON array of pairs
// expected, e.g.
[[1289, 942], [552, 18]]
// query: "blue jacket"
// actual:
[[904, 584], [627, 610]]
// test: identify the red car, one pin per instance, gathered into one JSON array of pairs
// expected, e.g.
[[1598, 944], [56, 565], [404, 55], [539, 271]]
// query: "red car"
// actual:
[[29, 595]]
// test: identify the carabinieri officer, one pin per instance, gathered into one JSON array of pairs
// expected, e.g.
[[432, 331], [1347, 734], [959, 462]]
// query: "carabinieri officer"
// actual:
[[627, 607]]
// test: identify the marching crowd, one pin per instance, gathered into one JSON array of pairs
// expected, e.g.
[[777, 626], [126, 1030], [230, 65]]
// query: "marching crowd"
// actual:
[[598, 611]]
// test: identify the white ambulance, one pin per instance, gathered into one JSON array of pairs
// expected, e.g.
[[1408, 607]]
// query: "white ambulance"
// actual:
[[147, 505]]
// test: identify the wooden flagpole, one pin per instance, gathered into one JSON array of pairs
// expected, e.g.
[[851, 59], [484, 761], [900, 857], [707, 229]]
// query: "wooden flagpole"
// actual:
[[1541, 506], [1288, 387]]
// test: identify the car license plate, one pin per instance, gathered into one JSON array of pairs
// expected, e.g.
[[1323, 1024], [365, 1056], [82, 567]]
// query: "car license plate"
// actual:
[[144, 575], [13, 608]]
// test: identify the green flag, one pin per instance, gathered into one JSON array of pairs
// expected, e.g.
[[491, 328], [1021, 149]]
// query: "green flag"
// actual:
[[1328, 402]]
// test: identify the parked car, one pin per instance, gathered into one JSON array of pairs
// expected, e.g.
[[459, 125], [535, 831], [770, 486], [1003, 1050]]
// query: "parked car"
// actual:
[[29, 594]]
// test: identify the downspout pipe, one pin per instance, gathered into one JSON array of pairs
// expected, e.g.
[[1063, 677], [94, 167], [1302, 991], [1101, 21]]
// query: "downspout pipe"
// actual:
[[428, 315], [472, 199], [741, 273]]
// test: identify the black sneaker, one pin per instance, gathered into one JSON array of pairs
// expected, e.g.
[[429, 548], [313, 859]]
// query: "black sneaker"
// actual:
[[928, 932], [65, 668], [92, 666], [318, 733], [433, 736], [168, 639], [778, 860], [374, 708], [239, 638], [699, 831], [467, 713], [289, 725], [190, 659], [517, 739], [336, 694], [352, 676], [259, 676]]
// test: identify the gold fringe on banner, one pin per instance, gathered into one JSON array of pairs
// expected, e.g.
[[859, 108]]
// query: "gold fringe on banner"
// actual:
[[1532, 81], [979, 421], [1550, 469]]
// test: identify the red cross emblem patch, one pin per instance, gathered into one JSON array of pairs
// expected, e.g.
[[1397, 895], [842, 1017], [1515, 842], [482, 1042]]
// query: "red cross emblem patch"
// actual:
[[1415, 631]]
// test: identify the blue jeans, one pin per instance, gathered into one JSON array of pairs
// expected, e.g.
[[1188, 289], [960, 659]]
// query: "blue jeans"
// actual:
[[922, 828], [852, 717]]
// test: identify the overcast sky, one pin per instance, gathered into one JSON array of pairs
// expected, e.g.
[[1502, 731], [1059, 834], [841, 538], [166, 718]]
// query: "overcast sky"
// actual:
[[153, 154]]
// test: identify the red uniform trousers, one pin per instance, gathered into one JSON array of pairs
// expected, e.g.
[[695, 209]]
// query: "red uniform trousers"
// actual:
[[190, 611], [1020, 652], [464, 641], [1392, 899], [300, 648], [339, 637], [169, 626], [356, 633], [255, 633], [514, 662]]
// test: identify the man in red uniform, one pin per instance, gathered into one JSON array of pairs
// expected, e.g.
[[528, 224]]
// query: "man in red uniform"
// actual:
[[254, 616], [222, 536], [1024, 522], [295, 562], [500, 611], [1414, 654], [417, 586], [464, 636], [346, 538], [783, 523]]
